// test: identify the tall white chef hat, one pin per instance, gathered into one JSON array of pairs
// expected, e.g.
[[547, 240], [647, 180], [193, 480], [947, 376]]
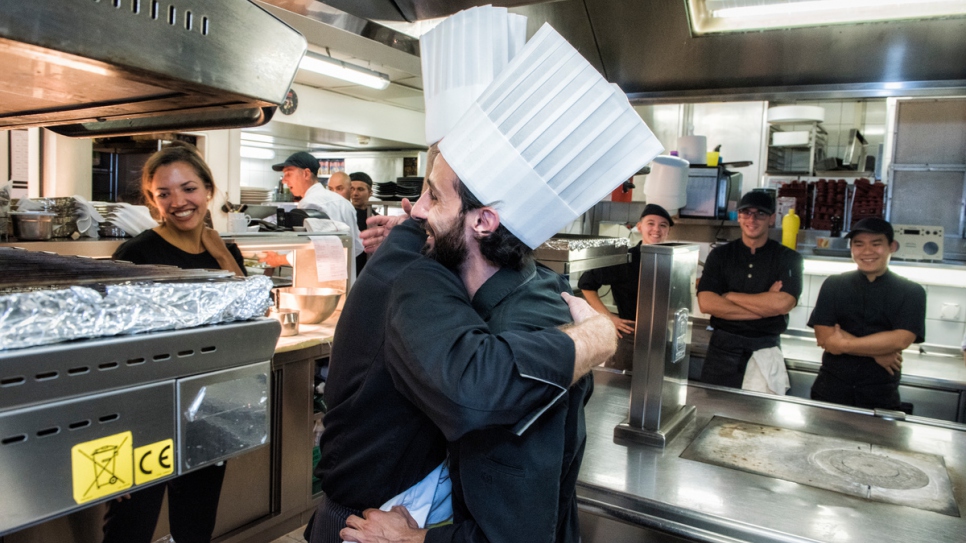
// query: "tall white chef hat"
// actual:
[[460, 57], [547, 139]]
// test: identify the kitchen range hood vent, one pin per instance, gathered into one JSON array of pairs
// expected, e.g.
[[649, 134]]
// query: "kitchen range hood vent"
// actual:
[[88, 68]]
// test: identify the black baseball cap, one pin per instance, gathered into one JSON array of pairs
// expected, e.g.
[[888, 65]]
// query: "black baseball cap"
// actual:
[[361, 176], [301, 159], [654, 209], [872, 225], [762, 201]]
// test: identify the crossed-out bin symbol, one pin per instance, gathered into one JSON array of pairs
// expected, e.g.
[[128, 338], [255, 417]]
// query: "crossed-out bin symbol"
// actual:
[[105, 462]]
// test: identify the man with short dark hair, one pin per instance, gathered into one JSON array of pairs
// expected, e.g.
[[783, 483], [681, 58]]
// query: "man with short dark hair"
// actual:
[[623, 279], [864, 319], [359, 192], [748, 286]]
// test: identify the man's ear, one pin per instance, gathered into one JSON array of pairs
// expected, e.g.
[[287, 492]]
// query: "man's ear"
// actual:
[[487, 221], [894, 246]]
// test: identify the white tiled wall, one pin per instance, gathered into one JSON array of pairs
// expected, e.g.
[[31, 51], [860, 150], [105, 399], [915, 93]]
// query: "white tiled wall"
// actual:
[[945, 311]]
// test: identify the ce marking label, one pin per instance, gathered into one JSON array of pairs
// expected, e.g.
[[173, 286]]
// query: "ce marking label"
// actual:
[[153, 461]]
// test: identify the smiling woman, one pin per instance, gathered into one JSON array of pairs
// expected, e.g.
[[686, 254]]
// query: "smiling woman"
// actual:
[[177, 184]]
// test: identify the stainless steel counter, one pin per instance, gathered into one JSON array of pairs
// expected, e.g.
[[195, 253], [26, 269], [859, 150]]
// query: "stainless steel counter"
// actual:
[[658, 489], [924, 369]]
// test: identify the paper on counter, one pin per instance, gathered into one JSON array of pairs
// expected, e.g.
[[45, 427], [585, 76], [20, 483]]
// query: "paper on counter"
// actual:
[[330, 263]]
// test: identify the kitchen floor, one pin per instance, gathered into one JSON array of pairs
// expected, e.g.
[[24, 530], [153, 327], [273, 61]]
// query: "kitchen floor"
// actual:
[[294, 536]]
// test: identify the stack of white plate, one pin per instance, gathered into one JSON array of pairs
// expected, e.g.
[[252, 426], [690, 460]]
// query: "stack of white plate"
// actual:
[[254, 195]]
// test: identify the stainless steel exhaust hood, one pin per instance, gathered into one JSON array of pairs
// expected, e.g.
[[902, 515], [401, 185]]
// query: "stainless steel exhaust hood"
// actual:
[[89, 68]]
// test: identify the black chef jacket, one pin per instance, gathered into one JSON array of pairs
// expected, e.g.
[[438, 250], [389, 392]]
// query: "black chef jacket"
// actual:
[[376, 443], [623, 280], [733, 268], [861, 308], [506, 486]]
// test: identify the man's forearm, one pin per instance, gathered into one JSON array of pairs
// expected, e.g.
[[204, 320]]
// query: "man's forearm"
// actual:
[[594, 340], [765, 304], [879, 343], [717, 306], [593, 299]]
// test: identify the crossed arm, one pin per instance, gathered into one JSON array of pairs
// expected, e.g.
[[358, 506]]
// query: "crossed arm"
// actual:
[[884, 347], [738, 306]]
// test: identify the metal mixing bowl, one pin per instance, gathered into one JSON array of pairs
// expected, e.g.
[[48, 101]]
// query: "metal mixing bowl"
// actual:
[[314, 304]]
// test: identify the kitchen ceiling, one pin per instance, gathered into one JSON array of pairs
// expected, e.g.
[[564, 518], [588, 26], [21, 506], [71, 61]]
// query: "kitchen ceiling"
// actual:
[[647, 48]]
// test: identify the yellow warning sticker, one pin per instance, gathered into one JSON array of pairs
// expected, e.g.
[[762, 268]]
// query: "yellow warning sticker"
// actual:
[[153, 461], [102, 467]]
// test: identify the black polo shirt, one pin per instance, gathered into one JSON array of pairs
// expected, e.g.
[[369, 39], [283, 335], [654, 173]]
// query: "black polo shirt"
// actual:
[[623, 280], [734, 268], [861, 308]]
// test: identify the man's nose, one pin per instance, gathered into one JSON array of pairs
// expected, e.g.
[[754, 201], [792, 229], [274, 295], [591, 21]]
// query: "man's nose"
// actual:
[[421, 207]]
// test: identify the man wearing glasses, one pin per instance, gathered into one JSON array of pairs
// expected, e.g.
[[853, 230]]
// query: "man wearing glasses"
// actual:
[[748, 286]]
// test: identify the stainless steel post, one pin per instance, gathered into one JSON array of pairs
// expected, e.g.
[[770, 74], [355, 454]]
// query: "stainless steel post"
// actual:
[[658, 409]]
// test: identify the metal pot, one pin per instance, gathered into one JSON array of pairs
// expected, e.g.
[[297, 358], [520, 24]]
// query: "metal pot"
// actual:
[[33, 226]]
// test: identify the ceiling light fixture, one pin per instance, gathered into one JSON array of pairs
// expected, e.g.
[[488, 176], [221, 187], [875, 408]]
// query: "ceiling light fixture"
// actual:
[[714, 16], [342, 70]]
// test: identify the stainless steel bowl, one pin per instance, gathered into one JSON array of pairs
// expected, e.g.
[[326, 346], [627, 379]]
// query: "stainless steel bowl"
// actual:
[[314, 304], [33, 226]]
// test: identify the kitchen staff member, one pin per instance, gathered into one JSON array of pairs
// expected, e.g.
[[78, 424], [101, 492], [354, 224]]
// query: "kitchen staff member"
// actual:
[[864, 319], [654, 226], [489, 246], [339, 183], [299, 173], [178, 185], [360, 191], [748, 286], [377, 445]]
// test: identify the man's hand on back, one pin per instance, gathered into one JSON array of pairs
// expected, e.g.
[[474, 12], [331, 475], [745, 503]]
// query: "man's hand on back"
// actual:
[[378, 227], [375, 526]]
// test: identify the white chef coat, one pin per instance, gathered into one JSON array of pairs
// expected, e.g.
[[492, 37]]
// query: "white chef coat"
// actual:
[[336, 207]]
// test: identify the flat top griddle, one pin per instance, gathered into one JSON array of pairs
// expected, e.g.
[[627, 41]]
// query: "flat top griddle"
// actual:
[[851, 467]]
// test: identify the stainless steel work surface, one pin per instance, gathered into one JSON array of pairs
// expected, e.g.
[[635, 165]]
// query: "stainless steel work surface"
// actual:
[[841, 465], [925, 369], [704, 502]]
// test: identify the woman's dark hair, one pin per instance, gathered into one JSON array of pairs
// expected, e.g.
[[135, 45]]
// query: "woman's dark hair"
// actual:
[[500, 247], [176, 151]]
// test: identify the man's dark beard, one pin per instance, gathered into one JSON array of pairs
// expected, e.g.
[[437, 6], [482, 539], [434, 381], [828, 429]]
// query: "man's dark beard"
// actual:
[[450, 246]]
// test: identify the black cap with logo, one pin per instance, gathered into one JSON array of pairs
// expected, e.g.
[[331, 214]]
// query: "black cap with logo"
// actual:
[[301, 159], [762, 201], [872, 225]]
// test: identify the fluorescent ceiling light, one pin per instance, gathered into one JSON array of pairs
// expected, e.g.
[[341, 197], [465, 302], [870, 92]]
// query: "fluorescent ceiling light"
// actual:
[[347, 72], [257, 152], [715, 16]]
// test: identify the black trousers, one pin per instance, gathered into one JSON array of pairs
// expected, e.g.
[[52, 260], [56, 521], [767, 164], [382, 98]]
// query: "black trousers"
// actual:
[[870, 395], [328, 520], [728, 356], [192, 506]]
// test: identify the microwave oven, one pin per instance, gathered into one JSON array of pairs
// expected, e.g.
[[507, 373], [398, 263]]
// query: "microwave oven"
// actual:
[[709, 190]]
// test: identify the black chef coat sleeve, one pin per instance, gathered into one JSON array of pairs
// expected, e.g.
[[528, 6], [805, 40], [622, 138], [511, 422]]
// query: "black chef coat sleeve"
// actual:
[[911, 314], [791, 271], [825, 312], [712, 275], [443, 358]]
